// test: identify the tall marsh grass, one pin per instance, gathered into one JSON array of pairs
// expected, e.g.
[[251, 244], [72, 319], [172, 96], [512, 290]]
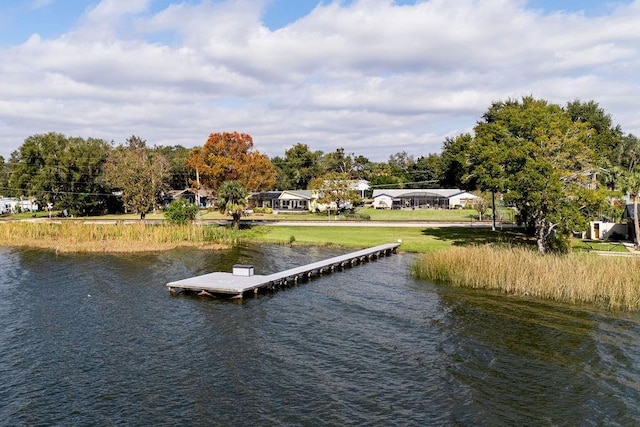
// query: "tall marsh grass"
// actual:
[[80, 237], [609, 282]]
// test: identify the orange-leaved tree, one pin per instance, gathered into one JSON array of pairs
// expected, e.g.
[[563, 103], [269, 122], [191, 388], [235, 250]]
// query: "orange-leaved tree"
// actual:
[[230, 156]]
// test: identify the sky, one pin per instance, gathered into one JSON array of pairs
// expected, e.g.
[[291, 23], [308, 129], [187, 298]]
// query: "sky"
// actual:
[[375, 77]]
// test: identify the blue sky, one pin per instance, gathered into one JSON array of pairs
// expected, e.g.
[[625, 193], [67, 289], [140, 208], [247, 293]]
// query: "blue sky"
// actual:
[[373, 76]]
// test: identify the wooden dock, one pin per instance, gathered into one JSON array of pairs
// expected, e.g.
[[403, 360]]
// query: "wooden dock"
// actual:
[[243, 281]]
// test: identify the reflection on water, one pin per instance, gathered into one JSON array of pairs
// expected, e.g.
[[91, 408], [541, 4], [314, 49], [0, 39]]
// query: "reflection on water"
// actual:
[[97, 339]]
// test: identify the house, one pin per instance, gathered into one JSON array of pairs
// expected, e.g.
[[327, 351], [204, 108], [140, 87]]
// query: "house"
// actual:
[[603, 230], [288, 200], [202, 198], [264, 199], [172, 195], [421, 198], [462, 199], [295, 200], [361, 186], [205, 198], [15, 205]]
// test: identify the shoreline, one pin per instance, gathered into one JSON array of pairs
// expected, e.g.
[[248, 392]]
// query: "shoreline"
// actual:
[[76, 237], [470, 257], [97, 247]]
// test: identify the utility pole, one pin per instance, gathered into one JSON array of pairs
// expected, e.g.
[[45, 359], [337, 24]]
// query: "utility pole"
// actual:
[[493, 210]]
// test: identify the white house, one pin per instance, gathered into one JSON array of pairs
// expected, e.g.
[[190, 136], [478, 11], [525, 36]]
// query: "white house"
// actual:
[[461, 199], [361, 186], [13, 205], [290, 200], [296, 200], [421, 198]]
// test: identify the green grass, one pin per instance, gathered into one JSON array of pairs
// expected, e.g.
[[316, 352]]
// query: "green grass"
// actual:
[[414, 239], [445, 215], [25, 215], [465, 215], [584, 245]]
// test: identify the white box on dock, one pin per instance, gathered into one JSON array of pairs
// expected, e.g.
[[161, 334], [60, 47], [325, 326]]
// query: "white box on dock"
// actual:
[[242, 270]]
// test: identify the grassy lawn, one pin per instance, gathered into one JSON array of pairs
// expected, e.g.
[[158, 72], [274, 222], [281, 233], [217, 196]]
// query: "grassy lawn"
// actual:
[[25, 215], [584, 245], [420, 214], [444, 215], [414, 239]]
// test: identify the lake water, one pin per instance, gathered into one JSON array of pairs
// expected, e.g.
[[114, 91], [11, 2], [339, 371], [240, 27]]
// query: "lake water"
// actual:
[[98, 340]]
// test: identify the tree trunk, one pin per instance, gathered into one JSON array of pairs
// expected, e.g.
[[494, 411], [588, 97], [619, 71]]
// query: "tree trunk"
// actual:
[[236, 221], [544, 233]]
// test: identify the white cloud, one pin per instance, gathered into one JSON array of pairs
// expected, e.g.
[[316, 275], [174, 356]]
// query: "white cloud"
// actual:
[[372, 77], [39, 4]]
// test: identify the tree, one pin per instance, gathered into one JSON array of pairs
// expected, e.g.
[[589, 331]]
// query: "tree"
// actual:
[[4, 177], [604, 138], [139, 172], [61, 170], [180, 175], [425, 172], [180, 211], [298, 167], [340, 162], [230, 157], [453, 162], [337, 161], [335, 190], [233, 199], [481, 204], [630, 184], [380, 175], [628, 155], [533, 153], [401, 164]]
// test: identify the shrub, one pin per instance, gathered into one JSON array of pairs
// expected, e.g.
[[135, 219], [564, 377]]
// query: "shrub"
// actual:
[[263, 210], [357, 216], [180, 212]]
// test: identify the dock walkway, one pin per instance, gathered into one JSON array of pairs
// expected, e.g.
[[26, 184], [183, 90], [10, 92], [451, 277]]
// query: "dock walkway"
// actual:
[[237, 286]]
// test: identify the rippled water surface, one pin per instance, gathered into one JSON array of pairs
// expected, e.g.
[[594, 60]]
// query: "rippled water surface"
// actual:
[[98, 340]]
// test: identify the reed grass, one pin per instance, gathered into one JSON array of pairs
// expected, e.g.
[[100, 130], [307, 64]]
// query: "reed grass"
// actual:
[[608, 282], [139, 237]]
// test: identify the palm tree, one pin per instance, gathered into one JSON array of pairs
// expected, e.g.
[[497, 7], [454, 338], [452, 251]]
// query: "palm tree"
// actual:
[[233, 198]]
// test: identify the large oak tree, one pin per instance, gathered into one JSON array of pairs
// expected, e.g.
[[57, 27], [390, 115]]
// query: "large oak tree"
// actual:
[[538, 157], [64, 171], [230, 156]]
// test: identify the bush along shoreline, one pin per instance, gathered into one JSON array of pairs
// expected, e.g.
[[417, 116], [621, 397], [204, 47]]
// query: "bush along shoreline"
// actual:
[[607, 282]]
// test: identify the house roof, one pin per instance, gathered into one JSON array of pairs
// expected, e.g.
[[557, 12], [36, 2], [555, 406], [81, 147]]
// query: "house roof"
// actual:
[[267, 194], [628, 212], [427, 192], [300, 194], [178, 193], [464, 194]]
